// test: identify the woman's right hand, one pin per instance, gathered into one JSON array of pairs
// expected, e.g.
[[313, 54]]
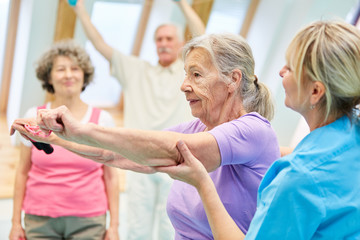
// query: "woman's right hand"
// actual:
[[17, 232]]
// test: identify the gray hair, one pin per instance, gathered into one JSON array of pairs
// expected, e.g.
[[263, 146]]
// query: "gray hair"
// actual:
[[179, 30], [229, 52], [68, 48]]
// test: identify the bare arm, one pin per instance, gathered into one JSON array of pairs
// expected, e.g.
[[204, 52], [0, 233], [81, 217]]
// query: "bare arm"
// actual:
[[91, 32], [221, 223], [99, 155], [150, 148], [193, 172], [106, 157], [111, 178], [17, 232], [196, 25]]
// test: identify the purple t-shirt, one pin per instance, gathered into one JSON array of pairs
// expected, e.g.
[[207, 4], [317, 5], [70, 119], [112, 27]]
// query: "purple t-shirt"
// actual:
[[248, 146]]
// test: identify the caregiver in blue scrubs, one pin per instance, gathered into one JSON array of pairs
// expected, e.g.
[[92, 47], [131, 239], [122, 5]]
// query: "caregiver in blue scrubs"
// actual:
[[312, 193]]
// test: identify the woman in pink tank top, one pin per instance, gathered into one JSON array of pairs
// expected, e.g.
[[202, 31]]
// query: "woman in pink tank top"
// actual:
[[63, 195]]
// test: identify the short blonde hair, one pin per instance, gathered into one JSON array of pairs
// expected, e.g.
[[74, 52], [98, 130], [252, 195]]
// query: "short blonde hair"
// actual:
[[329, 52]]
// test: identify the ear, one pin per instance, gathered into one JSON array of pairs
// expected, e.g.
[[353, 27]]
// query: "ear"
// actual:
[[235, 78], [318, 91]]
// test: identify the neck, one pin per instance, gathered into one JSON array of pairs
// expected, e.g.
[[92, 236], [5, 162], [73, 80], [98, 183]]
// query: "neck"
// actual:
[[315, 119], [228, 113]]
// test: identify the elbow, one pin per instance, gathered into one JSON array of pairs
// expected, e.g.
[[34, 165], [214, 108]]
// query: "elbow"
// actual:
[[210, 167]]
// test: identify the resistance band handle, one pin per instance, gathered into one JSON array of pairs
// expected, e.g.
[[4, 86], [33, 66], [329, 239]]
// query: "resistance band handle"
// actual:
[[47, 148]]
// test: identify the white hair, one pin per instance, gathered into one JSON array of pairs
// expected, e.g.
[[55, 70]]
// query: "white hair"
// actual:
[[179, 30]]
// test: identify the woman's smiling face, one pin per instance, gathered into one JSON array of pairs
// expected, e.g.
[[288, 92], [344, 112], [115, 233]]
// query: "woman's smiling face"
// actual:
[[67, 77]]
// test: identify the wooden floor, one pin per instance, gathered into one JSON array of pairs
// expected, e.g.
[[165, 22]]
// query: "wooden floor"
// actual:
[[9, 156]]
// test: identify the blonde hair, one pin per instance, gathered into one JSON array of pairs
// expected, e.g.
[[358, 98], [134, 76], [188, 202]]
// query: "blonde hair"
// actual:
[[329, 52], [229, 52]]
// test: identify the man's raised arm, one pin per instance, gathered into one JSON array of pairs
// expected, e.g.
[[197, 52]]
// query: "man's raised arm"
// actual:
[[91, 32]]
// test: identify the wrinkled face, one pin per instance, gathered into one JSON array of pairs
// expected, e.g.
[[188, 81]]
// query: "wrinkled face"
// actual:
[[299, 103], [167, 45], [204, 89], [67, 78]]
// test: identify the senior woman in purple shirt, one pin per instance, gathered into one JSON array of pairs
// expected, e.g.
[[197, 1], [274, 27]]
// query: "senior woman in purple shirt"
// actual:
[[231, 136]]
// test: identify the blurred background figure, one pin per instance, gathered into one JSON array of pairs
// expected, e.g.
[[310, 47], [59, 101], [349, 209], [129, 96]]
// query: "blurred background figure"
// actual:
[[63, 195], [152, 101]]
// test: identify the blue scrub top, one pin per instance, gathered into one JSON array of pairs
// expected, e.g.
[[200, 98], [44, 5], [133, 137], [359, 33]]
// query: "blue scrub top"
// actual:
[[313, 193]]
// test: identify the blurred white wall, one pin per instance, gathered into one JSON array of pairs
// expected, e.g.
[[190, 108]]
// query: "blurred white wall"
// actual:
[[35, 34], [4, 10]]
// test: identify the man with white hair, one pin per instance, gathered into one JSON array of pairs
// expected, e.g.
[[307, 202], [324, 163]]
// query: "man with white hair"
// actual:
[[152, 101]]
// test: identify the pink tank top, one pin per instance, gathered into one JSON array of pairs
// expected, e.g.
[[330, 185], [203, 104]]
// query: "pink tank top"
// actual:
[[65, 184]]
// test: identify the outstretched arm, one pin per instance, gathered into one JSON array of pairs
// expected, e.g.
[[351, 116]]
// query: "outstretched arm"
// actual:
[[193, 172], [106, 157], [196, 25], [91, 32], [150, 148]]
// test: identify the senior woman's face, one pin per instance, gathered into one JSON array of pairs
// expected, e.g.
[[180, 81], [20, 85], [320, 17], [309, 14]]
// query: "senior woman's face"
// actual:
[[203, 88], [67, 77]]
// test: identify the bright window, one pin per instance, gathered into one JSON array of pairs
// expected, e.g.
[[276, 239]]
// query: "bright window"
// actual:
[[4, 10], [117, 23], [227, 16]]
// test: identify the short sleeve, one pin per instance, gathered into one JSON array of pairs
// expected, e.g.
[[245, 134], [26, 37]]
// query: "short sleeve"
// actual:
[[193, 126], [289, 207], [242, 140]]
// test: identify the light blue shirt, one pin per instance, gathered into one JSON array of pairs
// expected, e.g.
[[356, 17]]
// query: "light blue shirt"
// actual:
[[313, 193]]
